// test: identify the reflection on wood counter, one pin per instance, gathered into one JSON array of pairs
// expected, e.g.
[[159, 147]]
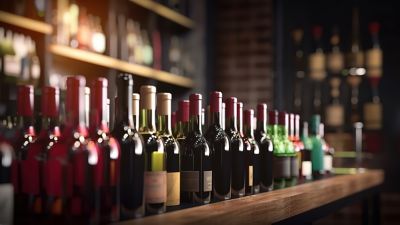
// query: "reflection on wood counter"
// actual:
[[271, 207]]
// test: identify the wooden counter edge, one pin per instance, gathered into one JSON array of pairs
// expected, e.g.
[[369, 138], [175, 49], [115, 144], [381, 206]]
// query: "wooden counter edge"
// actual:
[[270, 207]]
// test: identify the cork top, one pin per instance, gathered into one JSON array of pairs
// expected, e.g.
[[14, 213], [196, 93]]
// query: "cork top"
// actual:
[[148, 97], [164, 103], [135, 96], [147, 89]]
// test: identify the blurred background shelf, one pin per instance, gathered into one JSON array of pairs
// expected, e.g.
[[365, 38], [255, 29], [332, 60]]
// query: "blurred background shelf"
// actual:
[[165, 12], [26, 23], [112, 63]]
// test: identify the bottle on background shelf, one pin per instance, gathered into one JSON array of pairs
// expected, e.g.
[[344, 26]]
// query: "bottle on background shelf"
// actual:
[[171, 148], [280, 171], [107, 175], [236, 149], [133, 154], [155, 176], [253, 155], [220, 150], [197, 174], [266, 148], [317, 154], [300, 69], [297, 146]]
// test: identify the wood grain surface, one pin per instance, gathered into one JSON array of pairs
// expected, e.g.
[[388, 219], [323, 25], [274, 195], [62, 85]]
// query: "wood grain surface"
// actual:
[[270, 207]]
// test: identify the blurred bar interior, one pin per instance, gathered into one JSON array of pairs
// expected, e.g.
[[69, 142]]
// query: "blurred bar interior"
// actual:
[[332, 58]]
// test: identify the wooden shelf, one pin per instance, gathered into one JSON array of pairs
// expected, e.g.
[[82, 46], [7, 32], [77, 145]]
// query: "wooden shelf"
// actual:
[[165, 12], [112, 63], [25, 23], [274, 206]]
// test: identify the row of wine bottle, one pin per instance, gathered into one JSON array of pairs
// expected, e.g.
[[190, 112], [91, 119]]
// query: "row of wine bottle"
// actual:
[[73, 173]]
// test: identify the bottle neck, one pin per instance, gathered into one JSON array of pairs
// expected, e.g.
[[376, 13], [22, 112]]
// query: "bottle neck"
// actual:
[[262, 125], [123, 103], [216, 119], [164, 124], [231, 123], [49, 122], [249, 131], [147, 120], [240, 123], [183, 129], [195, 124]]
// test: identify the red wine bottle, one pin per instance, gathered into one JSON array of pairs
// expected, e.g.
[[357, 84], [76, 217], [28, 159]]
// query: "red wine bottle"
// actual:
[[266, 148], [81, 159], [171, 147], [248, 156], [155, 176], [24, 154], [133, 156], [181, 135], [220, 152], [252, 154], [196, 159], [107, 178], [236, 149]]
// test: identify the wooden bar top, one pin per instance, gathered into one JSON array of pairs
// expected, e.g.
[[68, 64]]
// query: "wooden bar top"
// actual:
[[270, 207]]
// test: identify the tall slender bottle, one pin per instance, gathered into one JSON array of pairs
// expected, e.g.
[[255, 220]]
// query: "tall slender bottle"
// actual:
[[25, 164], [252, 155], [155, 176], [196, 158], [306, 166], [236, 148], [300, 69], [220, 150], [133, 155], [182, 133], [283, 155], [135, 110], [107, 177], [317, 154], [248, 152], [81, 158], [266, 148], [171, 148]]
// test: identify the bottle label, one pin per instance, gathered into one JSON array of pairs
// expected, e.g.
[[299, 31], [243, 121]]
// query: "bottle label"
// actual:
[[336, 62], [306, 168], [373, 115], [6, 202], [317, 66], [250, 179], [374, 58], [155, 184], [328, 162], [190, 181], [173, 188], [207, 180]]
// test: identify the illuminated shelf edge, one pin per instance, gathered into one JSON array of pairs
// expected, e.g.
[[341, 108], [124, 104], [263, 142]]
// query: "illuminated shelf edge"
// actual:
[[26, 23], [110, 62], [165, 12]]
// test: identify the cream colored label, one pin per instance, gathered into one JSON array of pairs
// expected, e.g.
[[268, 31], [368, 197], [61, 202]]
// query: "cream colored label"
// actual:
[[207, 180], [250, 180], [306, 168], [155, 186], [373, 115], [335, 62], [334, 115], [190, 181], [328, 160], [173, 188], [374, 58], [317, 66]]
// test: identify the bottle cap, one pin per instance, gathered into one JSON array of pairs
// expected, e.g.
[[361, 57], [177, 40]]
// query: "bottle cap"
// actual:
[[135, 104], [99, 98], [262, 112], [314, 123], [25, 100], [317, 32], [75, 98], [195, 104], [164, 103], [283, 119], [215, 101], [273, 117], [248, 117], [231, 107], [50, 101], [147, 93], [183, 112], [374, 27]]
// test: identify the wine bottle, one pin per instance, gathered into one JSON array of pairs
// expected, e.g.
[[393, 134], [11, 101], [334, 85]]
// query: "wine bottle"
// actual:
[[236, 149], [133, 155], [25, 164], [248, 155], [317, 154], [107, 177], [295, 155], [252, 155], [266, 148], [171, 148], [155, 176], [81, 158], [317, 68], [173, 124], [284, 153], [220, 150], [181, 135], [196, 159], [306, 166], [327, 150]]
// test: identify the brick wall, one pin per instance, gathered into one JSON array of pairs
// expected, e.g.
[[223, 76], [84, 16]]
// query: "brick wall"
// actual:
[[244, 50]]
